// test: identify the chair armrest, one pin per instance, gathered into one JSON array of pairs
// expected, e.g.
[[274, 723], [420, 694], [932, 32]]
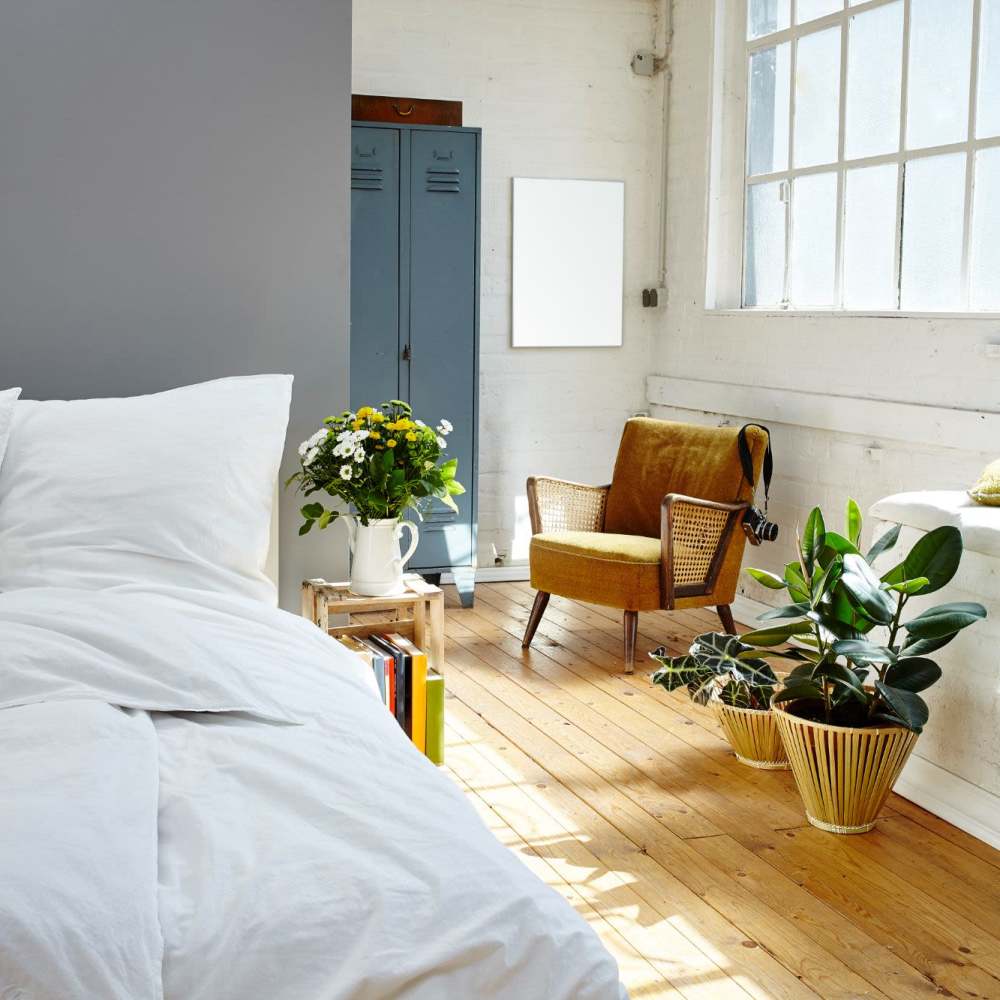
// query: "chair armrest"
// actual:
[[694, 537], [559, 505]]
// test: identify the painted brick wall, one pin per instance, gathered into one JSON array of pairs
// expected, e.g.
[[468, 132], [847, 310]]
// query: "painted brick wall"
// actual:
[[937, 361], [549, 82]]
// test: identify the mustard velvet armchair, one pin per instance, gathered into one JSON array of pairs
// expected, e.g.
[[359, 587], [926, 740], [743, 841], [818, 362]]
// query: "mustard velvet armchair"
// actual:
[[664, 534]]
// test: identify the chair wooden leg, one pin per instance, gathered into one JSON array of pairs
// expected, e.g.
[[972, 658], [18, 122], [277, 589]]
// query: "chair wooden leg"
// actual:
[[726, 617], [631, 632], [534, 619]]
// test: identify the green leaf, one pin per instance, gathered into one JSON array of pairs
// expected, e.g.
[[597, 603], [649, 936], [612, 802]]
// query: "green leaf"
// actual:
[[449, 502], [910, 707], [843, 678], [826, 581], [797, 588], [913, 673], [776, 634], [455, 488], [800, 690], [864, 587], [852, 521], [838, 545], [448, 469], [787, 611], [678, 671], [388, 458], [936, 555], [326, 517], [767, 579], [884, 543], [813, 538], [945, 619], [863, 651], [920, 647], [305, 528], [311, 511], [910, 586]]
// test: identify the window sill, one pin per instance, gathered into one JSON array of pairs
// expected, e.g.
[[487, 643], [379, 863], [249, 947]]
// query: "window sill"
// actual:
[[771, 313]]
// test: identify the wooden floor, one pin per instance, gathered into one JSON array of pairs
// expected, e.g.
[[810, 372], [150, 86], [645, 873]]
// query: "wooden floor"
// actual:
[[700, 874]]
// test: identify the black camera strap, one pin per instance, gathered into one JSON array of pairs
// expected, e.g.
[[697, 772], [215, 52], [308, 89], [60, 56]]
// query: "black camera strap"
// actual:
[[746, 460]]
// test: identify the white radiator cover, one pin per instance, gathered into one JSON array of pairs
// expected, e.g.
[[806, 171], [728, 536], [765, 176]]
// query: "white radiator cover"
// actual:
[[955, 769]]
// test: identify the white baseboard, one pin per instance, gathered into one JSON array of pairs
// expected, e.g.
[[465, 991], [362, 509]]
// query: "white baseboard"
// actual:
[[495, 574], [965, 805]]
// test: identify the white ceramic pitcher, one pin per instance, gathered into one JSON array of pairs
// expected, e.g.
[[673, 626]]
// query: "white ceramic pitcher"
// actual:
[[376, 565]]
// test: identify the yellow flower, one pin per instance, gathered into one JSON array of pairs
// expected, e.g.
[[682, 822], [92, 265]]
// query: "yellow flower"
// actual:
[[355, 425], [378, 418], [403, 424], [390, 426], [391, 443], [365, 411], [375, 435], [411, 436]]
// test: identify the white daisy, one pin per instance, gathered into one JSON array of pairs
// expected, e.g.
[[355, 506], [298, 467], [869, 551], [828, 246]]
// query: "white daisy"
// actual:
[[359, 455], [320, 435], [445, 427], [303, 448], [310, 456], [420, 423], [442, 443], [346, 472]]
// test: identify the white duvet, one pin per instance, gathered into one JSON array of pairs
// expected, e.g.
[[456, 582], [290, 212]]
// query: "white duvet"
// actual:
[[201, 798]]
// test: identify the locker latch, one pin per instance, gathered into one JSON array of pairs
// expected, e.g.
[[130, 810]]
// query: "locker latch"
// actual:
[[407, 354]]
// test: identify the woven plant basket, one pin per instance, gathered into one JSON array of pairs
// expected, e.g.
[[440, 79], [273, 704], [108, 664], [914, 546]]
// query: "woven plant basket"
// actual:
[[754, 737], [844, 775]]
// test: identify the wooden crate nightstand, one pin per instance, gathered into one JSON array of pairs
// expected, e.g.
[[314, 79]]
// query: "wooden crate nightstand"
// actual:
[[419, 613]]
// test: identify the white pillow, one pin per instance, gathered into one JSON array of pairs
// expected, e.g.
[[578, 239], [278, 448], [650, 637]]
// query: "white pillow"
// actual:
[[7, 399], [173, 489]]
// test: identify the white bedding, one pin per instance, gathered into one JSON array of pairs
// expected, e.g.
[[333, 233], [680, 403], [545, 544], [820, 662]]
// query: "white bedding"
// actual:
[[261, 858]]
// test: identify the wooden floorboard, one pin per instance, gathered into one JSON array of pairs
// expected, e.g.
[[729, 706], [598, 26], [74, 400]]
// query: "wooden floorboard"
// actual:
[[701, 875]]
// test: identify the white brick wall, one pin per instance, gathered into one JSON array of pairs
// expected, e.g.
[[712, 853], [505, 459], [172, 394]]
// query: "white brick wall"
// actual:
[[550, 84], [927, 360]]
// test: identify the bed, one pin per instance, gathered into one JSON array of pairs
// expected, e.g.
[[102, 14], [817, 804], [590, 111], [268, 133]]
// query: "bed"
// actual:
[[202, 796]]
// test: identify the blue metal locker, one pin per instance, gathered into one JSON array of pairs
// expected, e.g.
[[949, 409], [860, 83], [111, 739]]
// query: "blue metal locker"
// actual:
[[415, 299]]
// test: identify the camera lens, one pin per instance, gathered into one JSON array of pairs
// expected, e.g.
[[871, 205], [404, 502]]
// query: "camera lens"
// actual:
[[768, 531]]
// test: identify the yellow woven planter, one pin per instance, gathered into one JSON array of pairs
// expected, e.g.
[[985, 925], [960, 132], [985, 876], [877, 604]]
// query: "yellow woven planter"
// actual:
[[843, 775], [754, 737]]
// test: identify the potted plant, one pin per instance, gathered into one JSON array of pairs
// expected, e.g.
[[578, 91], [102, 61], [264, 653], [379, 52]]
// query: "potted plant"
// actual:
[[380, 462], [850, 712], [722, 670]]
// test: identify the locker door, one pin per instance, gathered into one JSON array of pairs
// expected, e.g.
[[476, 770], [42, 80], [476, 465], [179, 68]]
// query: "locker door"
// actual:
[[375, 246], [444, 200]]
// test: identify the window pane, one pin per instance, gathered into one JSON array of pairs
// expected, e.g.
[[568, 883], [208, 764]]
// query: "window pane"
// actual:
[[814, 240], [809, 10], [985, 226], [765, 16], [817, 98], [767, 129], [933, 210], [870, 238], [874, 70], [988, 112], [937, 108], [764, 269]]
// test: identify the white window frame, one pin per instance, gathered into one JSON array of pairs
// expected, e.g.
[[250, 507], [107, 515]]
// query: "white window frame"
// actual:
[[728, 180]]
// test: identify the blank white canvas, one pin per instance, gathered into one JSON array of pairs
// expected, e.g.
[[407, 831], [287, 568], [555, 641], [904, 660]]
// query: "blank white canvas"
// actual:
[[568, 263]]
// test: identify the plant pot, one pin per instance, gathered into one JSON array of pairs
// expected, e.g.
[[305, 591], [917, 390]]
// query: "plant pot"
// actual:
[[844, 775], [376, 565], [754, 737]]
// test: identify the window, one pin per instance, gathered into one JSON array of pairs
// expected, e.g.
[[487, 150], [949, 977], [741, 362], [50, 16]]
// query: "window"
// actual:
[[871, 175]]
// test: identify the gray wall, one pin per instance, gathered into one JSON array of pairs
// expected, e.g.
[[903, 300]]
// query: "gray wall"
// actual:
[[174, 205]]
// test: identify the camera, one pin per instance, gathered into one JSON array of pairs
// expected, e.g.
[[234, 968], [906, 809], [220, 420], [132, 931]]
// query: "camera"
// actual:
[[758, 528]]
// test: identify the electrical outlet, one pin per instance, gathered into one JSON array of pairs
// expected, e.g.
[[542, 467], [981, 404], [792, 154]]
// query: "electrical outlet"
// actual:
[[644, 63]]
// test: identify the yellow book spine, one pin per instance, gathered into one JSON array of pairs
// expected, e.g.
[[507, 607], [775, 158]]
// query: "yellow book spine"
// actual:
[[420, 701]]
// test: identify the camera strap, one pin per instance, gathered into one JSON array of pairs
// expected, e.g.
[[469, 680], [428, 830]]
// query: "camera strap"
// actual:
[[746, 460]]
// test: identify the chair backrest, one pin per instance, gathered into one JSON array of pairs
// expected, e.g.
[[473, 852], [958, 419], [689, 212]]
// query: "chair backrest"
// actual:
[[656, 457]]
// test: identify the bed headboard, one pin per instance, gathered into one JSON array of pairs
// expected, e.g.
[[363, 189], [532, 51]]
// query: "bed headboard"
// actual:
[[271, 567]]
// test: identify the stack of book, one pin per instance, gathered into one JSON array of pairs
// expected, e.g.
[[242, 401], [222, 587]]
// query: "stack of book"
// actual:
[[414, 696]]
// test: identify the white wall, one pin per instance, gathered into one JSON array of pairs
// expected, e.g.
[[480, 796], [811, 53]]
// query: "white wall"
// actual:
[[935, 361], [550, 84]]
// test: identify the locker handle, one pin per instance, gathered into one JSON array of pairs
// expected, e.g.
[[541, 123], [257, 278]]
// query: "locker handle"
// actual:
[[407, 354], [399, 111]]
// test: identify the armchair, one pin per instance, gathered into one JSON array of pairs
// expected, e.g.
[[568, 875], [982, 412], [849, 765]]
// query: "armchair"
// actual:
[[664, 534]]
